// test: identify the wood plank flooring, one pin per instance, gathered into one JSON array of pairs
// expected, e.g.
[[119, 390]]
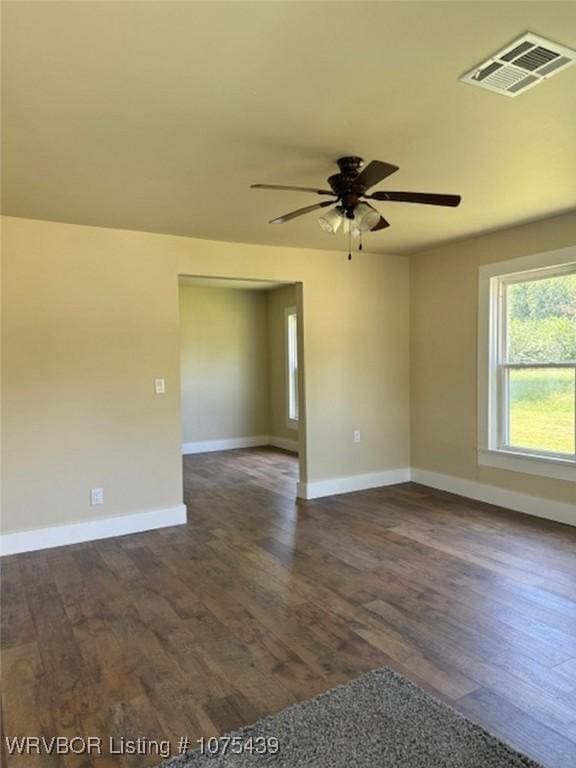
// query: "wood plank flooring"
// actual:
[[262, 600]]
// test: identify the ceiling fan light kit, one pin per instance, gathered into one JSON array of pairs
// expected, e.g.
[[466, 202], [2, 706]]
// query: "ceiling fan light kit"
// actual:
[[349, 188], [331, 220], [365, 217]]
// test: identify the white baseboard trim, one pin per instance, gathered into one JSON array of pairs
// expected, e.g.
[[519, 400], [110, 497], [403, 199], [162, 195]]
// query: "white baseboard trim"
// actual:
[[91, 530], [491, 494], [334, 485], [233, 443], [501, 497], [227, 444], [285, 443]]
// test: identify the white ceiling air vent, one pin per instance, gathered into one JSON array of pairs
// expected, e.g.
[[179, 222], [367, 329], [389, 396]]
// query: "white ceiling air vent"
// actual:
[[527, 61]]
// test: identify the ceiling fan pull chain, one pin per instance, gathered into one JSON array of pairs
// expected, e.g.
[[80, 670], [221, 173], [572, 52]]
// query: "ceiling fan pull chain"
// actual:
[[350, 244], [360, 244]]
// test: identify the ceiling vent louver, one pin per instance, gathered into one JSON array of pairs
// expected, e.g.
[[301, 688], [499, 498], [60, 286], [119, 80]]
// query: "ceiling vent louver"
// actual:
[[527, 61]]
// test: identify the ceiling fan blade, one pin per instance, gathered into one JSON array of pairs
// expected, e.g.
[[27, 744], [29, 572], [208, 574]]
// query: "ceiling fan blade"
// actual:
[[382, 224], [292, 189], [375, 172], [417, 197], [301, 212]]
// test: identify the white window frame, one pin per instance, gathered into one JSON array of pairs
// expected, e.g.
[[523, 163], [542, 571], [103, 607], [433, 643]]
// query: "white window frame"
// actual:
[[493, 450], [292, 394]]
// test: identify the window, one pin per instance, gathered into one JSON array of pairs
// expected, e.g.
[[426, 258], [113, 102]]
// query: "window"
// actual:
[[292, 365], [528, 353]]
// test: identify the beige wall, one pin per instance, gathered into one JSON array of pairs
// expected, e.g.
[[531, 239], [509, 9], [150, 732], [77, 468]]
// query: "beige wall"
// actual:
[[444, 315], [90, 319], [223, 363], [278, 300]]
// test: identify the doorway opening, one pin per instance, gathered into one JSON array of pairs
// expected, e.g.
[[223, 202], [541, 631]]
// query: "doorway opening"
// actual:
[[242, 382]]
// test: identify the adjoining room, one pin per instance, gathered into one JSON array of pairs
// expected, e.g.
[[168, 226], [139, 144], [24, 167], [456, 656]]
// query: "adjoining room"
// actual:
[[240, 373]]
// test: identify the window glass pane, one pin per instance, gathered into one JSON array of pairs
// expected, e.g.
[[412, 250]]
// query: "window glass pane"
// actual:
[[292, 367], [541, 320], [541, 402]]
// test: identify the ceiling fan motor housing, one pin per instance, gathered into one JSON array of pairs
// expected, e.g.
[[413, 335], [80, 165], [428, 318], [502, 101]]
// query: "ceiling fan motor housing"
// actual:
[[345, 185]]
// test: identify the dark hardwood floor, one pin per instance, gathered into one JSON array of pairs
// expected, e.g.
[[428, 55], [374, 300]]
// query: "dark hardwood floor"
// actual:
[[261, 601]]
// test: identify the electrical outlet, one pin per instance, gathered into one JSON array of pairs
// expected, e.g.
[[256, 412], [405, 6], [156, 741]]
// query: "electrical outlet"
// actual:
[[96, 496], [357, 436], [160, 386]]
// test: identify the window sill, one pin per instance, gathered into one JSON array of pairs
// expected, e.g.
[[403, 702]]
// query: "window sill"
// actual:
[[559, 469]]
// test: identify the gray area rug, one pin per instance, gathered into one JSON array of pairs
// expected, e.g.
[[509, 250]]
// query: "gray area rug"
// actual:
[[380, 720]]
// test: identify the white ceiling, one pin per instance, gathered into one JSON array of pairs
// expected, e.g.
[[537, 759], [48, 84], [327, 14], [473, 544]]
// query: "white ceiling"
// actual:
[[158, 116]]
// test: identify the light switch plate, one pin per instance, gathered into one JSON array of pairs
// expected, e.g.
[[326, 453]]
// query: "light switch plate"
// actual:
[[160, 386]]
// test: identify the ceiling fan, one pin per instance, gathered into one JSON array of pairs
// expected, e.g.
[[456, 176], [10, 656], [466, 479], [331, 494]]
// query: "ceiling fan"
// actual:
[[349, 189]]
